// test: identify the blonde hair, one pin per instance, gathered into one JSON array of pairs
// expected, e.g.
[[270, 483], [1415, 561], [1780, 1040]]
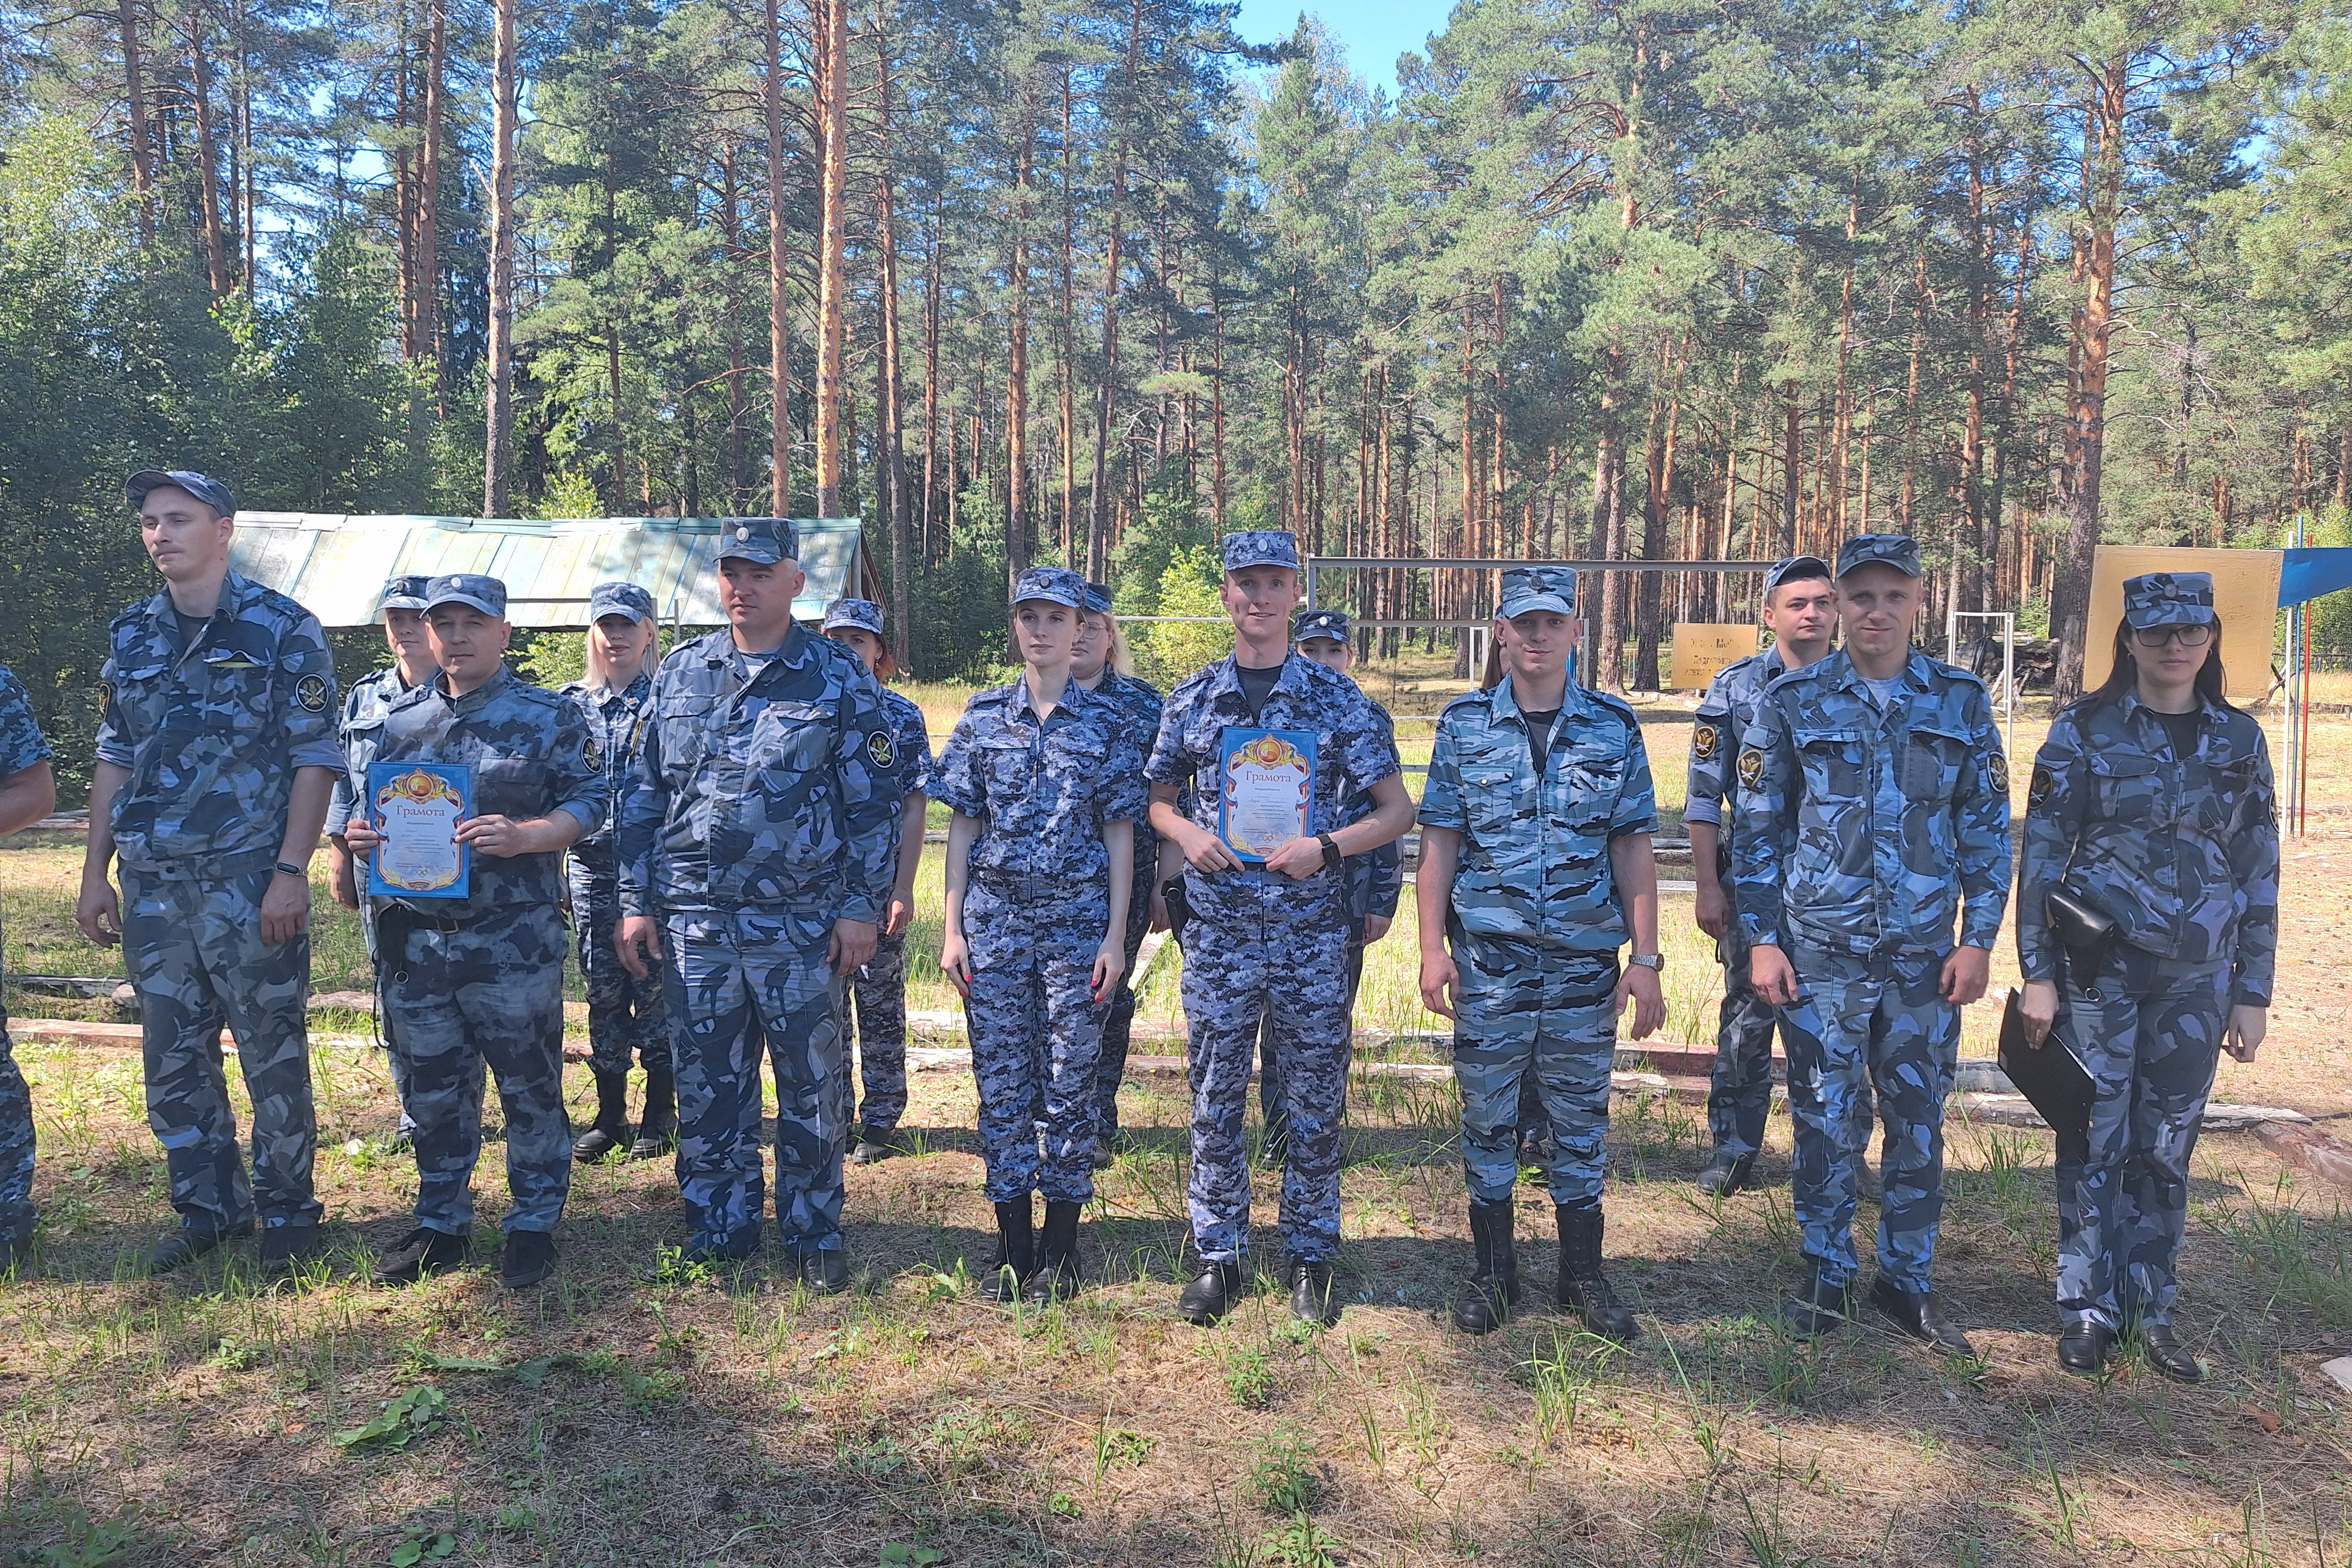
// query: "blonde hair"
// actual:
[[1120, 659], [600, 672]]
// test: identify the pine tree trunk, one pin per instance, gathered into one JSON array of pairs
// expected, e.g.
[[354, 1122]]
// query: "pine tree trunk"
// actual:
[[134, 98], [1098, 501], [427, 347], [831, 21], [207, 158], [730, 211], [1018, 546], [892, 383], [780, 361], [497, 444], [2070, 599]]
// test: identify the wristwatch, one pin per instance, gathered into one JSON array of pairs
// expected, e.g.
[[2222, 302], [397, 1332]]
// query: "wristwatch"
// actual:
[[292, 870], [1331, 855], [1647, 960]]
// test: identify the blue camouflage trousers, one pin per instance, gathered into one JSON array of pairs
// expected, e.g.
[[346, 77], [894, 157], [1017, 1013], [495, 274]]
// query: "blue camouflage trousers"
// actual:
[[1036, 1030], [1297, 974], [879, 991], [17, 1213], [195, 953], [2150, 1038], [1270, 1046], [396, 1064], [740, 981], [1119, 1027], [1526, 1015], [625, 1015], [488, 994], [1739, 1090], [1860, 1022]]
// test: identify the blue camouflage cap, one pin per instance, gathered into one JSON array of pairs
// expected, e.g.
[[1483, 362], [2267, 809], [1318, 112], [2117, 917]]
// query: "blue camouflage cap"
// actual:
[[764, 541], [1326, 624], [2169, 599], [487, 594], [1261, 547], [1098, 598], [1054, 584], [1795, 569], [1526, 589], [619, 599], [1899, 550], [209, 490], [402, 594], [857, 614]]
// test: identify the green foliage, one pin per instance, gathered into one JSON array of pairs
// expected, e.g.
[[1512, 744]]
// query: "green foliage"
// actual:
[[89, 1544], [1171, 650], [419, 1547], [405, 1418], [1283, 1481]]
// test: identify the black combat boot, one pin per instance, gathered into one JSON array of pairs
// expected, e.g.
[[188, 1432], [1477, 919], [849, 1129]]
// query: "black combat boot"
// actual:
[[609, 1131], [1494, 1284], [1016, 1253], [1915, 1312], [658, 1134], [1820, 1308], [1726, 1173], [1582, 1286], [1056, 1278]]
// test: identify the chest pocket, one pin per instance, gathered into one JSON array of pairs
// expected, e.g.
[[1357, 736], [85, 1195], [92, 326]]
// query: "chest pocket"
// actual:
[[1933, 761], [2125, 785], [791, 738], [1490, 787], [2230, 799], [1580, 787], [1006, 770], [1832, 764], [510, 786]]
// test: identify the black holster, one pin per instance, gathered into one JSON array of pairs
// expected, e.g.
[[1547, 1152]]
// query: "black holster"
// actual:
[[1180, 906], [2087, 933]]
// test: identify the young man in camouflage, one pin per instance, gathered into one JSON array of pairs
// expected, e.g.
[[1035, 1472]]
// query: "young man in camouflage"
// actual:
[[1801, 611], [1271, 937], [216, 762], [477, 982], [1536, 867], [1873, 809], [28, 791], [758, 846], [401, 604]]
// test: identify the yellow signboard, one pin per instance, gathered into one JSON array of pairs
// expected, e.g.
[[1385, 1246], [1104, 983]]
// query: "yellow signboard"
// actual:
[[1701, 649], [2245, 595]]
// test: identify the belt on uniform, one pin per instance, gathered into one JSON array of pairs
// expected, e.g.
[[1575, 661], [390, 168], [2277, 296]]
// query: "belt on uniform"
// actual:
[[401, 918]]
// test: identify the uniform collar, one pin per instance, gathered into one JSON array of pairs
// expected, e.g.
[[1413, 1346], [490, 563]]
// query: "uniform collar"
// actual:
[[1291, 680], [1076, 699], [1839, 670], [792, 652], [2209, 717], [636, 691], [474, 701], [236, 592], [1505, 702]]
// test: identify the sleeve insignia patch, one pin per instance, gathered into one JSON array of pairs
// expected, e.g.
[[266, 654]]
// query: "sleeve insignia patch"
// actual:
[[1752, 767], [1703, 740], [310, 691], [880, 750], [593, 754], [2044, 783]]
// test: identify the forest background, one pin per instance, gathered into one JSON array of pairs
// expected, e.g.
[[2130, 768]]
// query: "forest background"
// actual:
[[1092, 280]]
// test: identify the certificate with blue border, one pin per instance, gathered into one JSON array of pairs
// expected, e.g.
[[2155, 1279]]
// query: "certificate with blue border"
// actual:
[[1266, 790], [417, 806]]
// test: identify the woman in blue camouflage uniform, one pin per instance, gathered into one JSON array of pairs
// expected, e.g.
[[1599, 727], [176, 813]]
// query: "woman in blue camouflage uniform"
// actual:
[[2152, 802], [1102, 665], [625, 1015], [1046, 782], [879, 988]]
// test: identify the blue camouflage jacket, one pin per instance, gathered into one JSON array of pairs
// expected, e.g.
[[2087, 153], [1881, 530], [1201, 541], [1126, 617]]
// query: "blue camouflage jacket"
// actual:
[[212, 731], [910, 736], [777, 789], [21, 747], [1042, 792], [1141, 702], [612, 718], [530, 754], [360, 730], [1353, 752], [1863, 832], [1534, 869], [1717, 728], [2182, 852], [1377, 877]]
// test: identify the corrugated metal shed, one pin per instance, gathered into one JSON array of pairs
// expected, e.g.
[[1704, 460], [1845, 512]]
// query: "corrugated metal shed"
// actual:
[[333, 563]]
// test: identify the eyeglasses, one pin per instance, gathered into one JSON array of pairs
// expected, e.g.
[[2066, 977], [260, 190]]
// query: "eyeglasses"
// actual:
[[2186, 636]]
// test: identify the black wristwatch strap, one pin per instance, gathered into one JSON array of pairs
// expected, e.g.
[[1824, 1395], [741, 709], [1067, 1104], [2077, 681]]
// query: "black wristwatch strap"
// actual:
[[1331, 855], [292, 870]]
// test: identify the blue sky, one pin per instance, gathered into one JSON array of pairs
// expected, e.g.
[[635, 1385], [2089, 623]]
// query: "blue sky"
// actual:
[[1375, 31]]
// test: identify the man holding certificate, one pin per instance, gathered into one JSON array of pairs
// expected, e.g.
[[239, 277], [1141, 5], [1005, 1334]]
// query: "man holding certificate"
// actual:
[[1274, 746], [479, 783]]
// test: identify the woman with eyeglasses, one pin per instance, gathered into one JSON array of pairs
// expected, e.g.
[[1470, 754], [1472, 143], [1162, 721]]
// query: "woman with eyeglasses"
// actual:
[[2146, 927]]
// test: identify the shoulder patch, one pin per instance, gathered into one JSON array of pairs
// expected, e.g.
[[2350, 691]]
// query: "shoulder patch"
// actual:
[[2044, 783], [1752, 767], [592, 754], [310, 691], [880, 750], [1703, 740]]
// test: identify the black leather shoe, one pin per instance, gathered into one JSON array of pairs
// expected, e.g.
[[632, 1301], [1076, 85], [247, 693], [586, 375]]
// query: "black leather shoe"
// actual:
[[527, 1258], [1494, 1288], [1583, 1288], [419, 1253], [1820, 1308], [1214, 1294], [1311, 1298], [2167, 1355], [186, 1245], [16, 1251], [718, 1254], [873, 1148], [1726, 1175], [285, 1246], [826, 1272], [1916, 1313], [2086, 1348]]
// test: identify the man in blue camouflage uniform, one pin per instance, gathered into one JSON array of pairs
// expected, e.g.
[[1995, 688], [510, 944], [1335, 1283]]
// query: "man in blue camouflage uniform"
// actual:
[[1139, 701], [28, 791], [1374, 881], [2164, 818], [401, 604], [1268, 937], [758, 847], [477, 980], [1038, 878], [215, 763], [1801, 611], [1536, 867], [625, 1019], [1873, 801], [879, 990]]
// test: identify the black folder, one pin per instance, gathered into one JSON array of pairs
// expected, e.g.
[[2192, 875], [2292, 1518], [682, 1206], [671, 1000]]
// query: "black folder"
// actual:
[[2052, 1079]]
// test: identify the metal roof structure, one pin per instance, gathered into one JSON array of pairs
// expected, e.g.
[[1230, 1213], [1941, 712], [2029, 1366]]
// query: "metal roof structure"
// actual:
[[334, 564]]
